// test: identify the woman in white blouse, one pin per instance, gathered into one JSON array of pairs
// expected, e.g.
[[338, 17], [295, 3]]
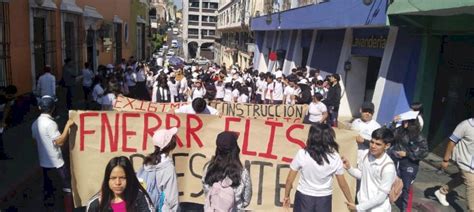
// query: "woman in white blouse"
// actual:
[[317, 111]]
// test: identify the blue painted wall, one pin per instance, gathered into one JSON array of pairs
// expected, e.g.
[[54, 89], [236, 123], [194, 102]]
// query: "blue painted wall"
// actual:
[[327, 50], [292, 45], [306, 36], [401, 77], [329, 15]]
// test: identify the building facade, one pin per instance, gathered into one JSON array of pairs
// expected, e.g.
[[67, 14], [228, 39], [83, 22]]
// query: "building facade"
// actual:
[[236, 43], [199, 28], [398, 53], [52, 30]]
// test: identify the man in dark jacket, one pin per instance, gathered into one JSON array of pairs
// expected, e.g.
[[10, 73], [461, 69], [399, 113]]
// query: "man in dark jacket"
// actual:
[[333, 99]]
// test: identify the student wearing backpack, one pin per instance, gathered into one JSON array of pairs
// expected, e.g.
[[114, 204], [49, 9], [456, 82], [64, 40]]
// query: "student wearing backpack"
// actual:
[[120, 190], [227, 184], [318, 162], [158, 171], [376, 172]]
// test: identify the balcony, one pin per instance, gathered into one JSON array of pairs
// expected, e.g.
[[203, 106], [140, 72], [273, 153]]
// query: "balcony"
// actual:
[[193, 23], [209, 24], [193, 9]]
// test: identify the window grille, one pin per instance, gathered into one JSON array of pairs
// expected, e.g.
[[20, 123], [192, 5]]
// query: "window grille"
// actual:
[[5, 64]]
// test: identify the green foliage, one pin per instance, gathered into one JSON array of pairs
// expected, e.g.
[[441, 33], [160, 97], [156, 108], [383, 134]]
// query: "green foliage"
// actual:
[[157, 41]]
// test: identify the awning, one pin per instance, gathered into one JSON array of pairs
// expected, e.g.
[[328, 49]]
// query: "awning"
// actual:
[[91, 12], [47, 4], [431, 7], [140, 20], [117, 19], [70, 6]]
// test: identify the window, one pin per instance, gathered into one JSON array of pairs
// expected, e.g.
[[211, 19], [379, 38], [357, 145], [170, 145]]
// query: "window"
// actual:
[[193, 17], [44, 48], [212, 32], [193, 31], [205, 18], [5, 70], [194, 4], [213, 5], [213, 19], [205, 5], [203, 32]]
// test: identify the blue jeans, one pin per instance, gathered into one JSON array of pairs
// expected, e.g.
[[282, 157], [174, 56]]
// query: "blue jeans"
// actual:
[[407, 172]]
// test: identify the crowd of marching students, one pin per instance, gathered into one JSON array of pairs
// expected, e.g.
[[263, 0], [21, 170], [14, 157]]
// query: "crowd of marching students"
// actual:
[[388, 157]]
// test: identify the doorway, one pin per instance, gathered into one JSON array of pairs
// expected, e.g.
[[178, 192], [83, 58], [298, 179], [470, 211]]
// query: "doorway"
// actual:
[[453, 99]]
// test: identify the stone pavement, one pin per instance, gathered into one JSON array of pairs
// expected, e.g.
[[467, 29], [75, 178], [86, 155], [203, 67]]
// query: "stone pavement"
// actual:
[[21, 179]]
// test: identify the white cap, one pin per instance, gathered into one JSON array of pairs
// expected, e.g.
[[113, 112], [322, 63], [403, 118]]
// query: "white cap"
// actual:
[[303, 81]]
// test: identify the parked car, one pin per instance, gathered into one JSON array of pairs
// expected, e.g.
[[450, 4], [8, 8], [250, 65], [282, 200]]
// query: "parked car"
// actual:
[[165, 46], [171, 52], [175, 31]]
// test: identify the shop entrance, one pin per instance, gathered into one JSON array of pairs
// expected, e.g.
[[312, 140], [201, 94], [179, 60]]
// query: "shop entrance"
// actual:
[[360, 82], [453, 99]]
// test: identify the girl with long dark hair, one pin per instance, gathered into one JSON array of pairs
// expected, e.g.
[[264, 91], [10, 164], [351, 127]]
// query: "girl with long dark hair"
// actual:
[[409, 148], [120, 190], [318, 162], [158, 171], [225, 165]]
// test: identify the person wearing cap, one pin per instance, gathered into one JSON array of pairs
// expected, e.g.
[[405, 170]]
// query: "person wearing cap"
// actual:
[[364, 125], [198, 106], [333, 99], [49, 141], [408, 149], [159, 165], [225, 165]]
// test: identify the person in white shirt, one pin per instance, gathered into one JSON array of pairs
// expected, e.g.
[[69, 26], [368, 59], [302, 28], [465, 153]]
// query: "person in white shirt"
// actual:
[[317, 111], [140, 87], [261, 86], [173, 87], [183, 86], [236, 91], [46, 84], [318, 163], [131, 81], [377, 173], [49, 141], [198, 91], [243, 95], [364, 125], [274, 91], [108, 98], [289, 92], [87, 78], [220, 90], [460, 148], [198, 106], [228, 95], [97, 93]]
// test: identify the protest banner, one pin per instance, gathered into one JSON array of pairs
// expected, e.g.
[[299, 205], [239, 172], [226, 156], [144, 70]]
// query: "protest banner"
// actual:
[[267, 148], [283, 113]]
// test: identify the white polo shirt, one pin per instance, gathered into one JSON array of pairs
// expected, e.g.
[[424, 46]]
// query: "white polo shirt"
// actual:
[[463, 137], [316, 110], [316, 180], [45, 132], [365, 130], [376, 179]]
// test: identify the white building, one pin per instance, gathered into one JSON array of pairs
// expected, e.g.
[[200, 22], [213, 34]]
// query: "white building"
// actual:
[[237, 41], [199, 28]]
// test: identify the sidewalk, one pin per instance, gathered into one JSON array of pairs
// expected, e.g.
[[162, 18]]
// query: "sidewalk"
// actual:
[[21, 177]]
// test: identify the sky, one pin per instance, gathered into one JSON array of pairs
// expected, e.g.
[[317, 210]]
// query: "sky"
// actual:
[[178, 3]]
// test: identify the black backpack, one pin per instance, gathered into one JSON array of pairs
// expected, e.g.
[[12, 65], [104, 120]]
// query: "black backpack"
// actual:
[[305, 96]]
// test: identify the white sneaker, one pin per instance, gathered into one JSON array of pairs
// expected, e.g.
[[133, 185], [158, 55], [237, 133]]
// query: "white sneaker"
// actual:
[[441, 198]]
